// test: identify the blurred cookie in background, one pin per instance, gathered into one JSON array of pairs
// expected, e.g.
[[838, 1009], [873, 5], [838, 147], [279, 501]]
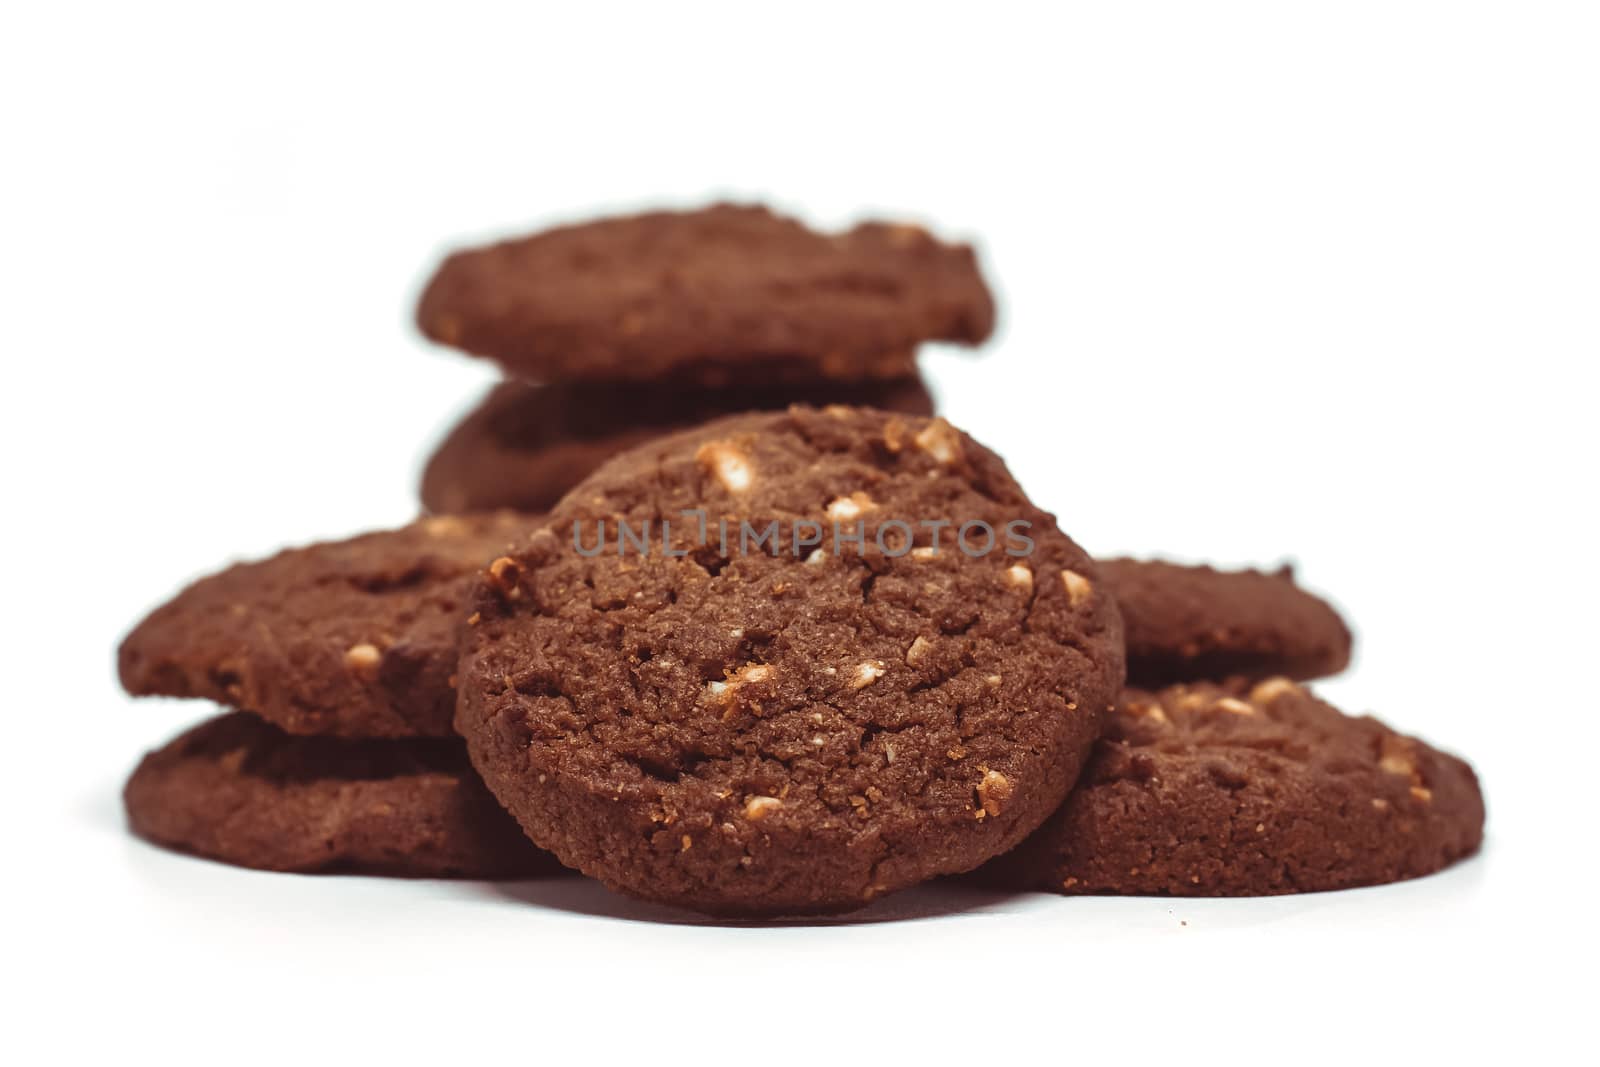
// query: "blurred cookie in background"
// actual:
[[525, 445], [719, 296]]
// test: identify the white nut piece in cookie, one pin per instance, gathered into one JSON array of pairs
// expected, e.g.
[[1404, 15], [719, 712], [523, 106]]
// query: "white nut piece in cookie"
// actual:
[[1020, 576], [724, 692], [1078, 588], [1233, 706], [941, 441], [848, 507], [728, 464], [363, 659], [1397, 757], [1265, 692], [894, 435], [442, 526], [1152, 711], [758, 808], [866, 673], [920, 647], [1396, 763]]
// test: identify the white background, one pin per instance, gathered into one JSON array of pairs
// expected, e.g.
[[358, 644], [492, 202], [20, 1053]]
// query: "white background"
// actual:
[[1278, 280]]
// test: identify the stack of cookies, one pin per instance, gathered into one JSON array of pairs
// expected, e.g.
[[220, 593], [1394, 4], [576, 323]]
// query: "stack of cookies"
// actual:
[[614, 332], [761, 635]]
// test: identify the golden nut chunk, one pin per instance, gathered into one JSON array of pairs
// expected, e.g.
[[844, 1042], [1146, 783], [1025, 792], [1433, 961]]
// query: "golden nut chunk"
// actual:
[[993, 792], [1267, 691], [866, 673], [728, 464], [1020, 576], [503, 576], [363, 659], [894, 435], [848, 507], [442, 526], [941, 441], [759, 807], [1078, 588]]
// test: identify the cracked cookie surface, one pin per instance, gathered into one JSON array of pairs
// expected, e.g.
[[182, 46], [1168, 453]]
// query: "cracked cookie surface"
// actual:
[[355, 638], [1197, 623], [724, 295], [525, 445], [1241, 790], [239, 790], [743, 731]]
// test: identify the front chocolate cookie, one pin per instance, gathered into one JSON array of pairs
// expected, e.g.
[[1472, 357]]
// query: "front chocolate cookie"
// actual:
[[1232, 790], [869, 661], [239, 790], [353, 638]]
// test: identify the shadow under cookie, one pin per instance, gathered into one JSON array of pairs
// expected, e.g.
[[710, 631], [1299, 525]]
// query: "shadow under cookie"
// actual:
[[239, 790]]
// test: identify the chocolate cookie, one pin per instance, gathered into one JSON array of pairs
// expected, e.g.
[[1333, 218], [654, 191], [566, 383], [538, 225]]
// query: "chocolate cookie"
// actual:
[[719, 296], [1209, 790], [355, 638], [526, 445], [860, 700], [239, 790], [1196, 623]]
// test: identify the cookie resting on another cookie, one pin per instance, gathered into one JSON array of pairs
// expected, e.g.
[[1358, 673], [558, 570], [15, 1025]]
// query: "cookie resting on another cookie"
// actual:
[[354, 638], [726, 295], [239, 790], [1192, 623], [525, 445], [757, 731], [1240, 790]]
